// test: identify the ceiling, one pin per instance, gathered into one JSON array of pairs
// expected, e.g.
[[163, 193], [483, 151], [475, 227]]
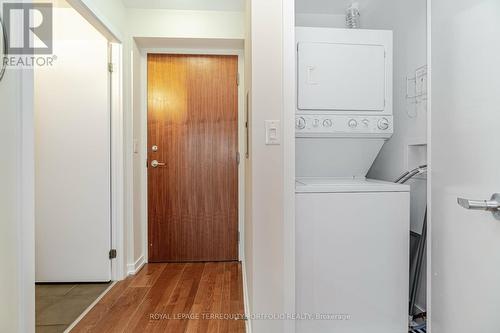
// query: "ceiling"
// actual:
[[189, 43], [223, 5], [302, 6], [327, 6]]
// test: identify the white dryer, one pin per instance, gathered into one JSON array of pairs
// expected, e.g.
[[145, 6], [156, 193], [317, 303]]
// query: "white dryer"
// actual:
[[344, 70], [344, 100]]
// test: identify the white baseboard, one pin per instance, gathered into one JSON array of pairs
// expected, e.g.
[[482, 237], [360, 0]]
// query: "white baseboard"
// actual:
[[246, 299], [133, 269]]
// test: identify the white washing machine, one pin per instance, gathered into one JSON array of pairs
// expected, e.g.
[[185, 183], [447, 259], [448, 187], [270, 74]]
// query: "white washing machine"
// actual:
[[352, 233], [352, 239]]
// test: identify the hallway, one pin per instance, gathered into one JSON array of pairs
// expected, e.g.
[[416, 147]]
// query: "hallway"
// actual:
[[172, 297]]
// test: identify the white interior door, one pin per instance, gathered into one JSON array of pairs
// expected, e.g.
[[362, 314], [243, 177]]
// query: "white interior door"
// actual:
[[73, 156], [465, 155]]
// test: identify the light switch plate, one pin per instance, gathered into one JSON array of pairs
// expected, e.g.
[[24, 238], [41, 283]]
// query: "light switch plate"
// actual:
[[421, 81], [136, 146], [273, 132]]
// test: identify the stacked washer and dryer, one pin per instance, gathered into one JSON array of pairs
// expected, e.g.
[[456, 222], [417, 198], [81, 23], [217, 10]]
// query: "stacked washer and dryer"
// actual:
[[352, 233]]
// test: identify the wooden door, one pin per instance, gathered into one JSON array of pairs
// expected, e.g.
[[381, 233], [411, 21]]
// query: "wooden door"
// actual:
[[193, 130]]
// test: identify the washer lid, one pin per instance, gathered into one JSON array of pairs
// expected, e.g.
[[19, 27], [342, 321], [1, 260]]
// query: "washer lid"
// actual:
[[346, 185]]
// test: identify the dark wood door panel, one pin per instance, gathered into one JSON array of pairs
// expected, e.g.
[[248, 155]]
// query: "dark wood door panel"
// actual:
[[193, 119]]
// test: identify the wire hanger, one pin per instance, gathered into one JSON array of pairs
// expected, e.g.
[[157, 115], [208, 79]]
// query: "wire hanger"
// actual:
[[3, 35]]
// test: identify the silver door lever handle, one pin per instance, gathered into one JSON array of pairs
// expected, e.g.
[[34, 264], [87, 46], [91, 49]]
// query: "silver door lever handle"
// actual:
[[155, 164], [479, 204], [492, 205]]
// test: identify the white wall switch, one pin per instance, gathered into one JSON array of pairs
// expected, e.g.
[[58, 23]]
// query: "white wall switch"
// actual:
[[421, 81], [273, 132], [136, 146]]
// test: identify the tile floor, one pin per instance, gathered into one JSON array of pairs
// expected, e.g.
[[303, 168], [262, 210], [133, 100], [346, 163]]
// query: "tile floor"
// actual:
[[58, 305]]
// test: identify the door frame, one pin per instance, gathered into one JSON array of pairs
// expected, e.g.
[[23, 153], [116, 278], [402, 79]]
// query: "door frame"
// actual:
[[144, 134], [288, 115], [118, 265], [429, 168]]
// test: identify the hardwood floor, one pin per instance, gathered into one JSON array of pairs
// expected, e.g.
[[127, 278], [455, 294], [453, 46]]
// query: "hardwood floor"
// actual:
[[172, 297]]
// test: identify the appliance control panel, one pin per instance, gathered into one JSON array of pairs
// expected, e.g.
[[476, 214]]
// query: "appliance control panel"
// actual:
[[344, 125]]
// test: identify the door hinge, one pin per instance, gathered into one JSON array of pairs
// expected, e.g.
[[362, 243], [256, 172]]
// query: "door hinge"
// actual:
[[238, 237], [238, 79], [111, 67], [112, 254], [238, 158]]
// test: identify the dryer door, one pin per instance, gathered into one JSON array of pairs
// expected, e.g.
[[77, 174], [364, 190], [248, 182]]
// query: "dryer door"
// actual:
[[341, 77]]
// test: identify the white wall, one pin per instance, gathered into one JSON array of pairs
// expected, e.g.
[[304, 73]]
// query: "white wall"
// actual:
[[319, 20], [17, 313], [265, 227], [407, 18], [10, 218], [110, 12], [249, 258], [185, 23]]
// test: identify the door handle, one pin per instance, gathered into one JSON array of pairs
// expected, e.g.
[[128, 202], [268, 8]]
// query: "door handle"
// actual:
[[492, 205], [156, 164]]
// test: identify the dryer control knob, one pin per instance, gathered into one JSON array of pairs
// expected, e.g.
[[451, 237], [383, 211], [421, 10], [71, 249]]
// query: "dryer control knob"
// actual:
[[353, 123], [383, 124], [300, 123], [327, 123], [316, 122]]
